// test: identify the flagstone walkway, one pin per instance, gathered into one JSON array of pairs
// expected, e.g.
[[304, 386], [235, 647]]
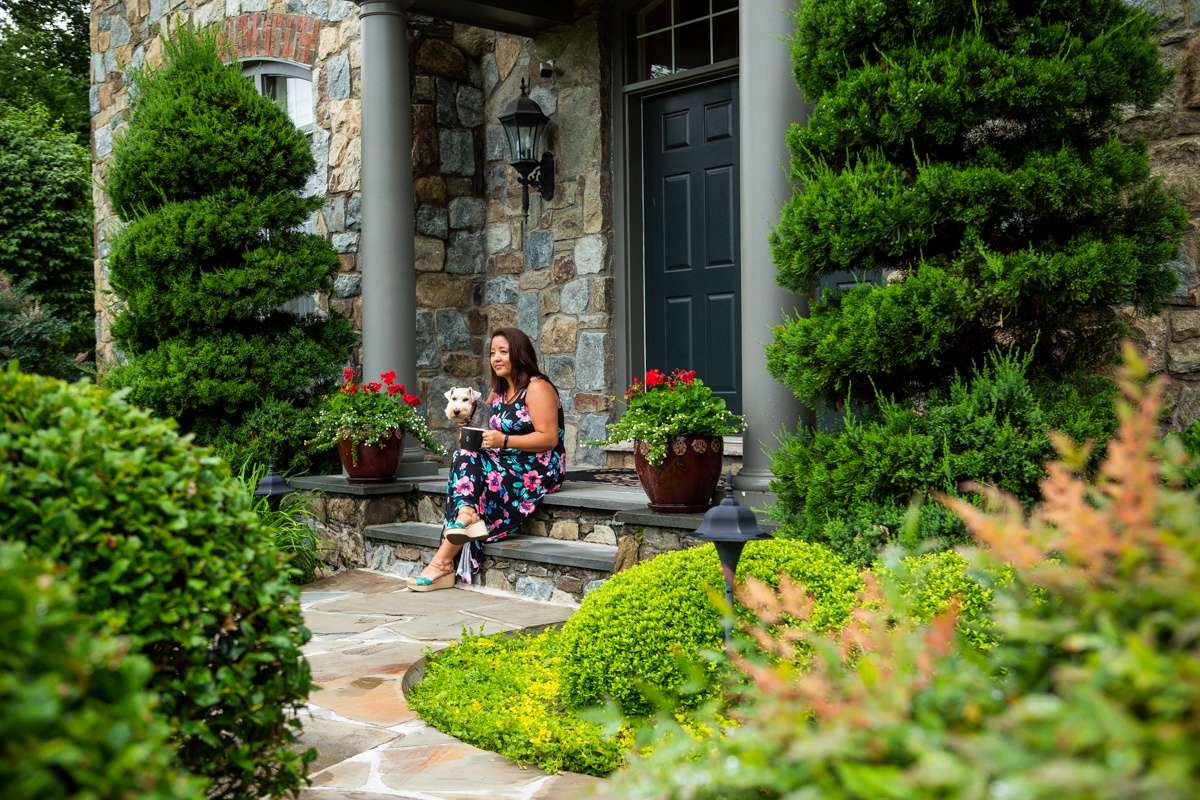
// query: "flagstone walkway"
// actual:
[[368, 629]]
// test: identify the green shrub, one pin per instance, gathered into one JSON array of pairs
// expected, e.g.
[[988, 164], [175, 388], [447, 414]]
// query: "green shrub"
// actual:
[[913, 162], [207, 177], [504, 694], [961, 163], [1091, 690], [77, 720], [46, 218], [32, 336], [849, 489], [167, 548], [633, 636], [929, 582], [287, 526]]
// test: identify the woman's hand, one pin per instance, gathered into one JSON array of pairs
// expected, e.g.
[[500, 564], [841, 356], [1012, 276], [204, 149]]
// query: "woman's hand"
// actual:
[[493, 439]]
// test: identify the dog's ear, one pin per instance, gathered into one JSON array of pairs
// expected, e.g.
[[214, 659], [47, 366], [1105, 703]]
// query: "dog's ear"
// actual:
[[448, 393], [475, 395]]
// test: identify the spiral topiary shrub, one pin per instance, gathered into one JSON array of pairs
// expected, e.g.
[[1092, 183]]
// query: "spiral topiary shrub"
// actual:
[[628, 634], [166, 548], [77, 720], [207, 179]]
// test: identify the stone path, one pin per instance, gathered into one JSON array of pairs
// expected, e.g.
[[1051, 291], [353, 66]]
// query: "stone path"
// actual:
[[368, 629]]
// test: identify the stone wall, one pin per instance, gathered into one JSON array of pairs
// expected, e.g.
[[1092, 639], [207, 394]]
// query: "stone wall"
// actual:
[[479, 266], [1172, 131], [321, 34]]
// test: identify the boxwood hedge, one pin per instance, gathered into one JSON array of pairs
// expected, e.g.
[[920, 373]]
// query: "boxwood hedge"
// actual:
[[167, 550], [77, 720]]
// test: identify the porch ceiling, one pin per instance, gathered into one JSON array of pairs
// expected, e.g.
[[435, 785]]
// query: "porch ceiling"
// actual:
[[523, 17]]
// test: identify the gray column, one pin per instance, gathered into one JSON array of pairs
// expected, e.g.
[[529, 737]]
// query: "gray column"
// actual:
[[768, 103], [386, 254]]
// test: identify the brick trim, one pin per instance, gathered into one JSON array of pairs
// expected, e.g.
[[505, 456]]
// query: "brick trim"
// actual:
[[292, 37]]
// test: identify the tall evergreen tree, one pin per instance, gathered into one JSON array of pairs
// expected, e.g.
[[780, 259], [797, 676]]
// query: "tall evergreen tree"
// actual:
[[46, 219], [207, 177], [962, 161], [44, 58]]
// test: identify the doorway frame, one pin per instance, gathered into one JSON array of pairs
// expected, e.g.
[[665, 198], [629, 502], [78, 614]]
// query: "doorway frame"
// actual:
[[629, 241]]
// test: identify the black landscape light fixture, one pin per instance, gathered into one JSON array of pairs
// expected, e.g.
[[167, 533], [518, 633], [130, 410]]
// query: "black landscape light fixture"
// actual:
[[729, 526], [524, 124], [273, 487]]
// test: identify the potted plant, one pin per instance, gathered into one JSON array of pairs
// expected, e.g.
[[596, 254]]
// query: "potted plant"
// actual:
[[367, 423], [676, 424]]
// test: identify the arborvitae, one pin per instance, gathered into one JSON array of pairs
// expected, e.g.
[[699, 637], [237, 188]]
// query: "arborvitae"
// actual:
[[961, 162], [207, 178]]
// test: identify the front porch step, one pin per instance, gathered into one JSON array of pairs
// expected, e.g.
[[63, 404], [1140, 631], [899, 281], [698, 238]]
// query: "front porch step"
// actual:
[[532, 566], [585, 555]]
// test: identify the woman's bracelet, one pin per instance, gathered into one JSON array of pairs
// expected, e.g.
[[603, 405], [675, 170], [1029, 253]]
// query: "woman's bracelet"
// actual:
[[506, 441]]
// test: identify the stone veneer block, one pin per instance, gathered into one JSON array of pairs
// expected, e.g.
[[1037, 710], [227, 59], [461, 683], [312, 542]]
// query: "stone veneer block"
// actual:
[[465, 256], [574, 297], [590, 251], [338, 77], [426, 340], [467, 212], [457, 151], [432, 221], [430, 254], [539, 249], [591, 360], [469, 102], [1185, 324], [501, 290], [452, 329], [527, 313], [347, 285], [499, 237]]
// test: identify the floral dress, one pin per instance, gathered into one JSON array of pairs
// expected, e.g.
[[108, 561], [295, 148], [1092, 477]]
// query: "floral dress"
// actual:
[[505, 486]]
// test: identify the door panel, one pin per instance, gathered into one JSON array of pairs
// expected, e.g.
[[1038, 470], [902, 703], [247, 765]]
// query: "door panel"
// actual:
[[691, 252]]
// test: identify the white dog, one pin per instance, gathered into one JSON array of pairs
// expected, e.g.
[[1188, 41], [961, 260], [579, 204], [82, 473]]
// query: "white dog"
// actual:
[[462, 403]]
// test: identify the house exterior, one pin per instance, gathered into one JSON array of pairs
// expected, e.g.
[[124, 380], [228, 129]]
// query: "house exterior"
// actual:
[[667, 126]]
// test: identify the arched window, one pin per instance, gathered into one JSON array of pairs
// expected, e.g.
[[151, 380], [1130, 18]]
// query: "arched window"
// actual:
[[671, 36], [288, 84]]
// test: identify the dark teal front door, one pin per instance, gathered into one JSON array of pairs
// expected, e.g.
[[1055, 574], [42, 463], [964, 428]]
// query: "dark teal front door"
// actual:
[[689, 151]]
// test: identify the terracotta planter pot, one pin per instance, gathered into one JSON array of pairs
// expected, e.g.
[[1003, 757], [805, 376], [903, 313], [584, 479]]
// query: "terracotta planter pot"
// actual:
[[686, 479], [373, 463]]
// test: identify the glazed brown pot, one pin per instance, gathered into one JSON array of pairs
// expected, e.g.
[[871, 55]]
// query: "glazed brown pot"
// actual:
[[373, 463], [686, 479]]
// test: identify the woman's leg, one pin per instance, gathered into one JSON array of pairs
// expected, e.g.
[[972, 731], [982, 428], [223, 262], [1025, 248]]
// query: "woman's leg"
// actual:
[[442, 561]]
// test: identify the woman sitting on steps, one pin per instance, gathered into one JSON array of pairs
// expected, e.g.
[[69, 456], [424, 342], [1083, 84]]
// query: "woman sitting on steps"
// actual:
[[491, 491]]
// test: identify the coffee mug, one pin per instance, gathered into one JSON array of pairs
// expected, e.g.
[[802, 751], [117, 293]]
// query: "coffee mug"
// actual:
[[471, 438]]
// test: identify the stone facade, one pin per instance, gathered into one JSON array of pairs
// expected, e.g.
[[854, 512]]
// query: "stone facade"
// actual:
[[1171, 129], [479, 265]]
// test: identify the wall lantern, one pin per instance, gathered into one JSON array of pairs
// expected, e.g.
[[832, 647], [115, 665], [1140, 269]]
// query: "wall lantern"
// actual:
[[524, 123], [729, 526]]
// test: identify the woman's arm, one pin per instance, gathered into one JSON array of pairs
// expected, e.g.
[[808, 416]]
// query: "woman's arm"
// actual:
[[542, 401]]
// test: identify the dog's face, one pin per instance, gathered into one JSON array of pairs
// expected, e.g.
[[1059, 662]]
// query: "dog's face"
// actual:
[[461, 402]]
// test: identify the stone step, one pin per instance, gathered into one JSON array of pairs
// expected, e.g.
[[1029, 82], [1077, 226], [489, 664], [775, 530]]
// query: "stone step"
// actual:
[[585, 555], [532, 566]]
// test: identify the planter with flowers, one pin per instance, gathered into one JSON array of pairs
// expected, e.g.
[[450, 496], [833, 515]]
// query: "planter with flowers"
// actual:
[[367, 423], [676, 424]]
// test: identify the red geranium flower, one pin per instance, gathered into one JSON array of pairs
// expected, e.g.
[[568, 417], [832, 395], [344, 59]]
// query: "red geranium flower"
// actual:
[[654, 378], [373, 387], [412, 400], [388, 377], [347, 374], [393, 388]]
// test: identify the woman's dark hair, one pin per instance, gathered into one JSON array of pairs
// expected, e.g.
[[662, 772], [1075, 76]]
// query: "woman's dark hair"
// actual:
[[523, 358]]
